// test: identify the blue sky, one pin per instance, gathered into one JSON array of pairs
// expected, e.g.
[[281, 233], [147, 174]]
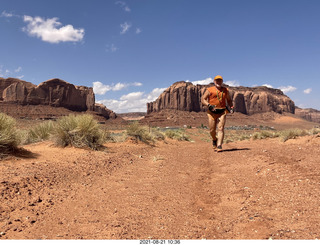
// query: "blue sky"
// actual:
[[130, 51]]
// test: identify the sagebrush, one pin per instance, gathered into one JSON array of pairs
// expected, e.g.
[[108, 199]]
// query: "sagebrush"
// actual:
[[177, 134], [140, 133], [79, 131], [9, 140], [40, 132]]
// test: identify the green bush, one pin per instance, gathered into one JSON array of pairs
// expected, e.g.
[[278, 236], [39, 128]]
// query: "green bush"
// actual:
[[79, 131], [9, 140]]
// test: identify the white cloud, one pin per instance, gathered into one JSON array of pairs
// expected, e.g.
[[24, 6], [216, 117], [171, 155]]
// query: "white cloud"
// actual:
[[18, 69], [6, 14], [307, 91], [4, 72], [132, 102], [233, 83], [124, 6], [137, 84], [20, 77], [202, 82], [111, 48], [132, 96], [154, 94], [267, 85], [287, 89], [138, 30], [119, 86], [210, 80], [48, 30], [101, 89], [125, 27]]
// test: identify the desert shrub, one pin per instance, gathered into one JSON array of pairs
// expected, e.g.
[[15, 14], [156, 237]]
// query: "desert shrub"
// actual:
[[264, 135], [79, 131], [284, 135], [177, 134], [40, 132], [117, 137], [314, 131], [292, 134], [23, 136], [156, 134], [108, 137], [140, 133], [9, 140]]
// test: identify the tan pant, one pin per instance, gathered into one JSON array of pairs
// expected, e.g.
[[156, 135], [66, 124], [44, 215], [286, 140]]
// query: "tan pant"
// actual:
[[213, 122]]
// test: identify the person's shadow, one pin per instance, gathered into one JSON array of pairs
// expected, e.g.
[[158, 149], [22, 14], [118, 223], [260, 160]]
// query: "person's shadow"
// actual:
[[237, 149]]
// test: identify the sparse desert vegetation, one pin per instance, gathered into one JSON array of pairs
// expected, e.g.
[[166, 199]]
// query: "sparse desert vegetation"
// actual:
[[128, 182], [9, 140]]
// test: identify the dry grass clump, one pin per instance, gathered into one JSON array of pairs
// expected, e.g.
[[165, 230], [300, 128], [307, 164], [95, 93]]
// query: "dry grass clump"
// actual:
[[177, 134], [292, 134], [9, 140], [140, 133], [234, 136], [40, 132], [151, 135], [157, 134], [285, 135], [79, 131], [264, 135]]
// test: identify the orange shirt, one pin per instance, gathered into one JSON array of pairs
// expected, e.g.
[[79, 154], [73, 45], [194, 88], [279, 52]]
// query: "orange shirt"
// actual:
[[218, 98]]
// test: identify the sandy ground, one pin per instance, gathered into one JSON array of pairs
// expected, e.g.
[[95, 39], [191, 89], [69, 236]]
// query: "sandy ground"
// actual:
[[259, 189]]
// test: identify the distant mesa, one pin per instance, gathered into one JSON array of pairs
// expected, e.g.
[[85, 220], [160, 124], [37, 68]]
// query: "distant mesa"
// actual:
[[308, 114], [54, 92], [185, 96]]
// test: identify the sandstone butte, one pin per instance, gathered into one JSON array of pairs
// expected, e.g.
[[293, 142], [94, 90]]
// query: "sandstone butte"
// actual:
[[187, 97], [182, 96], [54, 92]]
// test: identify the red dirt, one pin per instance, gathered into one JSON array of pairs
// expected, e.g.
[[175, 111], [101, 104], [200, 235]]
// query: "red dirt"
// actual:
[[175, 190]]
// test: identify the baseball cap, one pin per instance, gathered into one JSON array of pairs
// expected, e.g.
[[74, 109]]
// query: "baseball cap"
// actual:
[[218, 77]]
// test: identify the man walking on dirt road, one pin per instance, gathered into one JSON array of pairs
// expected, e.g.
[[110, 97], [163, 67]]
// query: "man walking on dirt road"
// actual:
[[218, 101]]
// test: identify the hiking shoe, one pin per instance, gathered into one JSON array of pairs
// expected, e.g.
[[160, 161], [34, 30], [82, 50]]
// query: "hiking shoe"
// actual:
[[214, 144], [219, 148]]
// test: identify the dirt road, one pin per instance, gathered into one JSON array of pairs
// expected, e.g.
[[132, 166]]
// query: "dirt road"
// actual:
[[176, 190]]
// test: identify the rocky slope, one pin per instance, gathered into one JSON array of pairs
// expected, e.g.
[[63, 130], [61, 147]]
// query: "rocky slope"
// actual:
[[54, 92], [187, 97], [308, 114]]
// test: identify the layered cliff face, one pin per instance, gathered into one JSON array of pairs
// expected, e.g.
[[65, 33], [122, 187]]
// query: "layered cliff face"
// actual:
[[54, 92], [308, 114], [104, 111], [187, 97]]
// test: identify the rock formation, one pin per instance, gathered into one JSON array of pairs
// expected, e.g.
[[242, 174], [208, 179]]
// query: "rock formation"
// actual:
[[54, 92], [308, 114], [104, 111], [187, 97], [20, 86]]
